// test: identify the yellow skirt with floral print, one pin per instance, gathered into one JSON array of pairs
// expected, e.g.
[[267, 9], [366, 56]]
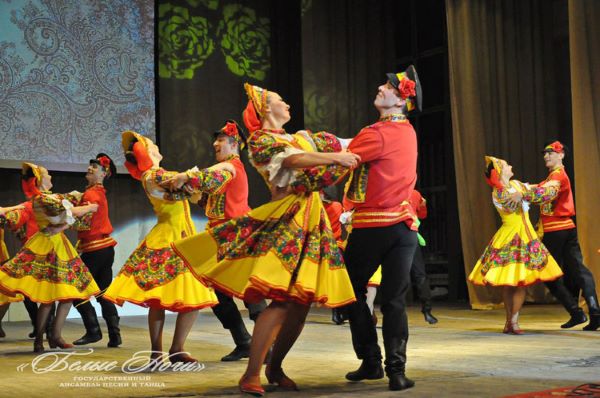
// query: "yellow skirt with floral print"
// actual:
[[515, 256], [157, 278], [283, 250], [47, 269]]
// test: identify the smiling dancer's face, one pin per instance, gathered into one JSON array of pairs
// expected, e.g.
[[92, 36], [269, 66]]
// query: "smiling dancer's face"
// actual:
[[224, 146], [154, 152], [553, 159], [507, 172], [387, 98], [46, 183], [277, 108]]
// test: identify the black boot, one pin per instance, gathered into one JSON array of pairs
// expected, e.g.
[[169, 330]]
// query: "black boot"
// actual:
[[31, 308], [594, 311], [50, 322], [90, 322], [114, 333], [558, 290], [368, 370], [399, 381], [395, 364], [429, 318], [242, 339], [577, 317], [337, 316]]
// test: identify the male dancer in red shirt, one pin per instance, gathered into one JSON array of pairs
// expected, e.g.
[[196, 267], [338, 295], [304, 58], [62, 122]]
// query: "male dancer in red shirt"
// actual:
[[560, 237], [230, 203], [384, 231], [97, 252]]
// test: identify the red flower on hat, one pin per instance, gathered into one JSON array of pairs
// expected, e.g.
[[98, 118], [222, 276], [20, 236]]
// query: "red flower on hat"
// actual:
[[230, 129], [407, 88], [556, 146], [104, 161]]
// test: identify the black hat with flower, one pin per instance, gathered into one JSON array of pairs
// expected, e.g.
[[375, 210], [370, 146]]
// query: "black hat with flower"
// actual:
[[104, 161], [409, 86], [233, 130]]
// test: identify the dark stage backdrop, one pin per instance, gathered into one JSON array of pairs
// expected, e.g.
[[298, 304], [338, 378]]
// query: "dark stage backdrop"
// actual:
[[206, 51]]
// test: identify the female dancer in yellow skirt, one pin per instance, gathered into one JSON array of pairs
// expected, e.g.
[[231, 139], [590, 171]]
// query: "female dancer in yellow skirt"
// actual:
[[515, 257], [47, 268], [4, 299], [283, 250], [154, 276]]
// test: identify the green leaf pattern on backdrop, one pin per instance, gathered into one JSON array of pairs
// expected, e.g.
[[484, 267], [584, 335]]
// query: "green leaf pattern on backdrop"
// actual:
[[245, 41], [186, 41], [306, 5], [183, 42], [210, 4], [318, 106]]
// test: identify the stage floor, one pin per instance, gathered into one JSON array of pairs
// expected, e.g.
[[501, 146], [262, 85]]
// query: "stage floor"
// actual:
[[464, 355]]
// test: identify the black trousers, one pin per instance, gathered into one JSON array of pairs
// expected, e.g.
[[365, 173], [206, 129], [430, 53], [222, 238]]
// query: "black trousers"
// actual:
[[419, 280], [229, 315], [393, 247], [100, 264], [564, 247]]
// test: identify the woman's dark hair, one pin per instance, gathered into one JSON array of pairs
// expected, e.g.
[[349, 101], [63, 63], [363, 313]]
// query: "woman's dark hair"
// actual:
[[488, 171], [129, 156], [27, 174]]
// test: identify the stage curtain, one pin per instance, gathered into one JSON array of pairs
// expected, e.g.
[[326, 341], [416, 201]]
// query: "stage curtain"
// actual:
[[584, 39], [506, 101]]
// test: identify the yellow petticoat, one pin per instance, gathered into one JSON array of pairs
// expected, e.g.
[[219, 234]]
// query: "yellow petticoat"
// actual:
[[375, 280], [4, 299], [283, 250], [47, 269], [515, 256]]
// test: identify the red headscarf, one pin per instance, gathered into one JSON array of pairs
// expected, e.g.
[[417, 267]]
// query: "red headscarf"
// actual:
[[494, 179], [143, 161], [251, 120]]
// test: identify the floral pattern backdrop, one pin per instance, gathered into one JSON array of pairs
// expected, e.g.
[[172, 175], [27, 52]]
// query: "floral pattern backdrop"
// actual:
[[72, 78], [207, 49], [189, 34]]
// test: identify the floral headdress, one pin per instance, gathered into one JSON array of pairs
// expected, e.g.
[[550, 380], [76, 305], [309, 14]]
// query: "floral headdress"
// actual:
[[493, 179], [139, 151], [31, 179], [257, 104]]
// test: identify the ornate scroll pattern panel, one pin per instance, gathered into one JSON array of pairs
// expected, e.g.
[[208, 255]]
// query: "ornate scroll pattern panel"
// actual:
[[72, 78]]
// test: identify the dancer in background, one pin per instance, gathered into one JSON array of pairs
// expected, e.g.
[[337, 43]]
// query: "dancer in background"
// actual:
[[153, 276], [282, 250], [97, 252], [560, 237], [47, 268], [418, 274], [231, 202], [4, 299], [21, 222], [515, 257]]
